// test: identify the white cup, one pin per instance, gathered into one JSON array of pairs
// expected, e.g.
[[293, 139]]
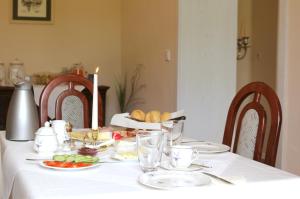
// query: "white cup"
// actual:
[[182, 156]]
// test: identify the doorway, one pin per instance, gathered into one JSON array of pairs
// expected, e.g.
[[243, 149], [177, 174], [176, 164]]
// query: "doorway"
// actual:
[[258, 20]]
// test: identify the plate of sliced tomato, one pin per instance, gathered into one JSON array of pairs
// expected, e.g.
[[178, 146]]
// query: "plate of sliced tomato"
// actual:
[[67, 166]]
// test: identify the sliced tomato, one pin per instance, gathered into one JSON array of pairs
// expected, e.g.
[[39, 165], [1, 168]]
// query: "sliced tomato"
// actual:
[[66, 164], [53, 163], [81, 164]]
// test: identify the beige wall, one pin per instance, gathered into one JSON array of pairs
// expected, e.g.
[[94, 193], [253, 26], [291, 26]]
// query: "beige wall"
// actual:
[[289, 71], [244, 66], [83, 31], [148, 29], [95, 34], [258, 19], [264, 38]]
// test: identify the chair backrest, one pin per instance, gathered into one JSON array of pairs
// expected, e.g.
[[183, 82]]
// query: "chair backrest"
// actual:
[[252, 123], [69, 80]]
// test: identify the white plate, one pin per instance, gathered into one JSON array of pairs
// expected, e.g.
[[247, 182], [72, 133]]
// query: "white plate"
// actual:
[[120, 157], [173, 179], [67, 169], [207, 147], [166, 165]]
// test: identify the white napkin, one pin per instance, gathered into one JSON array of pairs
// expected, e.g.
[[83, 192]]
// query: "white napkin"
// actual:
[[219, 164]]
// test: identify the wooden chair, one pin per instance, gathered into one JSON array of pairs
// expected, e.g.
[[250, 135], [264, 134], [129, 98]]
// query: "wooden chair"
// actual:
[[254, 133], [71, 80]]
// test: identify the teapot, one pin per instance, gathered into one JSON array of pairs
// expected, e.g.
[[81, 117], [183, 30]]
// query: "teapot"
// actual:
[[45, 140]]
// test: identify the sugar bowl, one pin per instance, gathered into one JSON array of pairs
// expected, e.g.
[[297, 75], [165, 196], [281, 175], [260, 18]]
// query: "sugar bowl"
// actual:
[[45, 140]]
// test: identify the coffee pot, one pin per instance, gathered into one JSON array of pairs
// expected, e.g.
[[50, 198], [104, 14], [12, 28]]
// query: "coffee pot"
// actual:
[[22, 117]]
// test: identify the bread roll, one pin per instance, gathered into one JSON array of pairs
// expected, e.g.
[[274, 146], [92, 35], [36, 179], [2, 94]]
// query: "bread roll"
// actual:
[[153, 117], [165, 116], [138, 115], [147, 118]]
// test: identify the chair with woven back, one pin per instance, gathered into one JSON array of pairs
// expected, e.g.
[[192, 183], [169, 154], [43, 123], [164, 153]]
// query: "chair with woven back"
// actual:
[[73, 84], [246, 126]]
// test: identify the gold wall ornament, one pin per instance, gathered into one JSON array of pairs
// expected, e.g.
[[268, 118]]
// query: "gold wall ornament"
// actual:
[[242, 46]]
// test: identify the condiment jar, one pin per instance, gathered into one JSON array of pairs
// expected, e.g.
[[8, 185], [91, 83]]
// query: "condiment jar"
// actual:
[[45, 140], [16, 71]]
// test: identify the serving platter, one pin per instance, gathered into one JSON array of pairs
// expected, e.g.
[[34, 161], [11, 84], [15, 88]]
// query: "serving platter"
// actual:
[[42, 164]]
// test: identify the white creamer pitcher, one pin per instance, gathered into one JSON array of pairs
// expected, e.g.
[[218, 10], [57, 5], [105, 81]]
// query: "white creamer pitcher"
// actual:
[[59, 127]]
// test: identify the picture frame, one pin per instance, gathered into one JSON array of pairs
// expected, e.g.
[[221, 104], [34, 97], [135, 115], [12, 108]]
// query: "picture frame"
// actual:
[[32, 11]]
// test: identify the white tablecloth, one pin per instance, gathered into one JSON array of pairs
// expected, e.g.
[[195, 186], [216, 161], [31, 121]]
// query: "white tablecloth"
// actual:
[[27, 180]]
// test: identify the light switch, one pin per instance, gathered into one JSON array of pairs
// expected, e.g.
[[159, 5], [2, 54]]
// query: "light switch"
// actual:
[[167, 55]]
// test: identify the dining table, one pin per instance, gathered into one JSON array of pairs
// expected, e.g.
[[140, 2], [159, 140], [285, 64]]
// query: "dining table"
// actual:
[[27, 179]]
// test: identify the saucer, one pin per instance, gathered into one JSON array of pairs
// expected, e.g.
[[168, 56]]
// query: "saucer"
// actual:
[[166, 165], [173, 179]]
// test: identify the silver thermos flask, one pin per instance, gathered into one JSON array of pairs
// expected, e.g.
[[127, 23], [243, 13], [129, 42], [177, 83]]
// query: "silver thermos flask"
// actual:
[[22, 117]]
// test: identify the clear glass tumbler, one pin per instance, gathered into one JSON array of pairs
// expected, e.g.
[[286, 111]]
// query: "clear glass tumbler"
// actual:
[[177, 131], [173, 131], [150, 146]]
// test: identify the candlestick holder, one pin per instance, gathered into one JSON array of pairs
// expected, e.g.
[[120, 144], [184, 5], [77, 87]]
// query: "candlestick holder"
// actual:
[[95, 134], [90, 138], [242, 46]]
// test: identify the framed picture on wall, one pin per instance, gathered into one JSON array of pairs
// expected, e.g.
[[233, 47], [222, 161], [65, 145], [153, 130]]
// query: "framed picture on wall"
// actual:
[[32, 10]]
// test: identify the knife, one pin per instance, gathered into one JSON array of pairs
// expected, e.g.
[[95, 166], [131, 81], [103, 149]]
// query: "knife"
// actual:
[[218, 178], [40, 159]]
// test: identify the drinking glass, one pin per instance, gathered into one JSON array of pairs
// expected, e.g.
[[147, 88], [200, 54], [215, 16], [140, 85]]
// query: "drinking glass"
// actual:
[[177, 131], [173, 131], [150, 145]]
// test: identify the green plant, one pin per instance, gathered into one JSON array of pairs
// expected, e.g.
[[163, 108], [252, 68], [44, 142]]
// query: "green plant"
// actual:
[[127, 97]]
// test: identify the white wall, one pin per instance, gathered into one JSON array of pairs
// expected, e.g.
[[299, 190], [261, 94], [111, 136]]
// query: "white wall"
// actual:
[[207, 65], [288, 84]]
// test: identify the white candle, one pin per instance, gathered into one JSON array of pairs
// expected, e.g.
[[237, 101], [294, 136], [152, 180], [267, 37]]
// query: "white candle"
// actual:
[[95, 101]]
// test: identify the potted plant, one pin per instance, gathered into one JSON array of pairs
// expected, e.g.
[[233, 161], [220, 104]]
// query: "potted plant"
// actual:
[[127, 96]]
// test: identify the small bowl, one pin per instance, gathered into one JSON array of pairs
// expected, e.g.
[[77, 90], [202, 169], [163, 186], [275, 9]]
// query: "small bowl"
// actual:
[[87, 151]]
